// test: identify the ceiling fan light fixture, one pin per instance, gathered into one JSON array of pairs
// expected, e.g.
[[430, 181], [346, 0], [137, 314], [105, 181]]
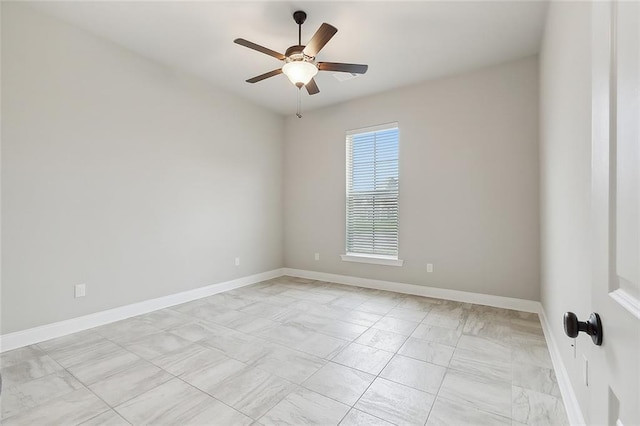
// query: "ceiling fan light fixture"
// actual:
[[300, 72]]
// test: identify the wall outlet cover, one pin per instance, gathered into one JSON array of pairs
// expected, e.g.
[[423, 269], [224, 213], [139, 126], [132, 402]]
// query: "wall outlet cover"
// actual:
[[80, 290]]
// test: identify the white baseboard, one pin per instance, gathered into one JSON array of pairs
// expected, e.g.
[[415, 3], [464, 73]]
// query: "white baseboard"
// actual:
[[419, 290], [30, 336], [566, 389]]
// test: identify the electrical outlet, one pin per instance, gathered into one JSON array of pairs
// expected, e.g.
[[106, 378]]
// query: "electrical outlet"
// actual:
[[317, 256], [237, 261], [80, 290], [429, 267]]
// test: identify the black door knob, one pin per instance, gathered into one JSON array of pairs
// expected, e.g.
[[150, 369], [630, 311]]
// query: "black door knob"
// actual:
[[593, 326]]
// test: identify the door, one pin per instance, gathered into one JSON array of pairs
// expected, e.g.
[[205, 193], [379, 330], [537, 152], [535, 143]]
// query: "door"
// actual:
[[614, 367]]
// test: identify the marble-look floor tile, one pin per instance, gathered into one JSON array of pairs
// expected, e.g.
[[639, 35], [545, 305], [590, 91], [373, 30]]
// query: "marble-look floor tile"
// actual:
[[80, 352], [232, 318], [214, 372], [122, 386], [279, 300], [292, 365], [433, 333], [417, 303], [199, 330], [252, 391], [175, 402], [305, 407], [188, 359], [82, 337], [445, 413], [407, 314], [328, 338], [264, 310], [373, 307], [321, 345], [157, 344], [287, 334], [126, 330], [364, 358], [104, 365], [166, 318], [230, 300], [491, 330], [482, 357], [441, 316], [31, 368], [201, 310], [348, 301], [304, 294], [365, 319], [343, 330], [68, 409], [338, 382], [108, 418], [427, 351], [381, 339], [253, 325], [360, 418], [535, 378], [534, 408], [303, 319], [243, 347], [532, 351], [396, 325], [479, 392], [18, 356], [24, 396], [396, 403], [417, 374]]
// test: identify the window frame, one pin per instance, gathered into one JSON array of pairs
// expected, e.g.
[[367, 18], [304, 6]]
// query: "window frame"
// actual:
[[371, 258]]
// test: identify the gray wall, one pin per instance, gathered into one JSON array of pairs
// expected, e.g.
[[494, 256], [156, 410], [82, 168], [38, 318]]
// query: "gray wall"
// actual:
[[468, 182], [565, 175], [120, 174]]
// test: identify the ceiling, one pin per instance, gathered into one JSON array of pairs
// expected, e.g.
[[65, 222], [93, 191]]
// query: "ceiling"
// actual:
[[402, 42]]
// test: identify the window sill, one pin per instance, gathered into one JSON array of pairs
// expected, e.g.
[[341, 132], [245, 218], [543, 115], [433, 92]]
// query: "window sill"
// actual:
[[375, 260]]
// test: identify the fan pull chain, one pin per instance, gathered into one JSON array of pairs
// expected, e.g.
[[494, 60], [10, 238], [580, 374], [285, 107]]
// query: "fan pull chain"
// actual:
[[299, 112]]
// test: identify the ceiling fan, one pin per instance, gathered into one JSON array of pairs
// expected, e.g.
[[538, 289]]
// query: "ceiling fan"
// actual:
[[300, 64]]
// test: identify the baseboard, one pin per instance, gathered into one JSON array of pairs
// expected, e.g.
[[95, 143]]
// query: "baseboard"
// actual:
[[566, 389], [419, 290], [30, 336]]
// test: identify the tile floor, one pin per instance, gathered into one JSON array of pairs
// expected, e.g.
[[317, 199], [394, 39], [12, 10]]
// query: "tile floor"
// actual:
[[292, 351]]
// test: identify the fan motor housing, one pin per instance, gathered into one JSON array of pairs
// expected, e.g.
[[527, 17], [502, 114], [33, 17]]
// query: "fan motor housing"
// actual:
[[294, 50]]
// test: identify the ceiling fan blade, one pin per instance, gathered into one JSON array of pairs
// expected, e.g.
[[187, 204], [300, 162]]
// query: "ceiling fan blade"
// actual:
[[339, 67], [262, 49], [265, 75], [312, 87], [319, 39]]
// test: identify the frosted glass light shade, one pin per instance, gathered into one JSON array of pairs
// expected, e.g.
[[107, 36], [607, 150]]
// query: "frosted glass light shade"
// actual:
[[299, 72]]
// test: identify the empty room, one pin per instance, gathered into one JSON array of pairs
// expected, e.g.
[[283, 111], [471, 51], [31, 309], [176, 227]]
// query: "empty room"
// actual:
[[320, 213]]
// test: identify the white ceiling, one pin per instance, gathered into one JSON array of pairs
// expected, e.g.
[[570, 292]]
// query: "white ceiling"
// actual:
[[402, 42]]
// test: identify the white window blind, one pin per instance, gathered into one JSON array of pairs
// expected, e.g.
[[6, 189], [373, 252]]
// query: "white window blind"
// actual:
[[372, 191]]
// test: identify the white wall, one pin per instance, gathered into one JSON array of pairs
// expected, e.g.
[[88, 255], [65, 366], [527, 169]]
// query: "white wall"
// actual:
[[468, 182], [565, 176], [120, 174]]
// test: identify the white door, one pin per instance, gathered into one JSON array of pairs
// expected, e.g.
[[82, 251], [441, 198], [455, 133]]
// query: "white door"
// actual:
[[614, 367]]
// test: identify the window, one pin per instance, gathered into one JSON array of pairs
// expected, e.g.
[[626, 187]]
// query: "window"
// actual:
[[372, 195]]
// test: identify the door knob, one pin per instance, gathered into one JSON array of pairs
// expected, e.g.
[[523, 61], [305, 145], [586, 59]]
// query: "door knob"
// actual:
[[592, 326]]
